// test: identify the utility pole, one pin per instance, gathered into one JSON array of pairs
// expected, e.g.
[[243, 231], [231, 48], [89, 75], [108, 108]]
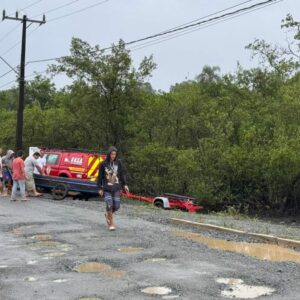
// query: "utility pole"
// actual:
[[24, 20]]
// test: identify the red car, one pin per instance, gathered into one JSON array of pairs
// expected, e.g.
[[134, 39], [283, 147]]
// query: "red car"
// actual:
[[73, 164]]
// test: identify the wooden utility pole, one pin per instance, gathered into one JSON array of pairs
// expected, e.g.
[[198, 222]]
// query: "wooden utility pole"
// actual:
[[24, 20]]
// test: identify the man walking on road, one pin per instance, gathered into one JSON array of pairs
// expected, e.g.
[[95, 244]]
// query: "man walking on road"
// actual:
[[18, 168], [111, 181]]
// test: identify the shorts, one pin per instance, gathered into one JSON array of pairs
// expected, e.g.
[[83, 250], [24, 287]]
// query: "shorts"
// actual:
[[29, 182], [112, 200]]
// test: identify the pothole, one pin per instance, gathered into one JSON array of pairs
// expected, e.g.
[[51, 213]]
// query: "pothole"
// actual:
[[90, 298], [154, 260], [131, 250], [238, 289], [30, 279], [60, 280], [92, 267], [19, 230], [257, 250], [45, 244], [96, 267], [157, 290], [230, 281], [115, 274], [42, 244], [41, 237], [55, 254]]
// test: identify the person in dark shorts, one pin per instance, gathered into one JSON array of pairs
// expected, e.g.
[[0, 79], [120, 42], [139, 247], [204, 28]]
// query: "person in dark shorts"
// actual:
[[111, 182]]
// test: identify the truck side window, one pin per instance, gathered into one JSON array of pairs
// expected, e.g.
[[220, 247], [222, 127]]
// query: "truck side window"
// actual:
[[52, 159]]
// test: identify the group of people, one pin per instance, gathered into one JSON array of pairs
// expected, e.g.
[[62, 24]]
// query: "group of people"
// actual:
[[16, 175]]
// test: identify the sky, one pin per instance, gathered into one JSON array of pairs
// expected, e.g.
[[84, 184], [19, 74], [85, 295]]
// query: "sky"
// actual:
[[177, 59]]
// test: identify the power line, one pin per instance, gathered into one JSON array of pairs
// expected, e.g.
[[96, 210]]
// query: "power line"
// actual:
[[187, 31], [7, 83], [199, 23], [32, 4], [8, 33], [207, 16], [6, 73], [12, 68], [58, 18], [29, 76], [177, 29], [57, 8], [78, 11], [19, 42]]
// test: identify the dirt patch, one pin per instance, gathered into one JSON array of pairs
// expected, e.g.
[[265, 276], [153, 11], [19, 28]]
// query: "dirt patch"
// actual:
[[131, 250], [92, 267], [257, 250], [42, 237], [115, 274]]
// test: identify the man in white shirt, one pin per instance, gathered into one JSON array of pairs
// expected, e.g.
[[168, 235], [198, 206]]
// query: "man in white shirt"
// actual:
[[41, 161]]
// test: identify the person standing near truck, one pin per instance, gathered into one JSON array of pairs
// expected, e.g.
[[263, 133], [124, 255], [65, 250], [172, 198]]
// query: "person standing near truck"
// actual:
[[111, 181], [31, 163], [18, 168], [7, 161]]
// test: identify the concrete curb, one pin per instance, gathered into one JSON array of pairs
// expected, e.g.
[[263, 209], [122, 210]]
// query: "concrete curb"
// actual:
[[269, 238]]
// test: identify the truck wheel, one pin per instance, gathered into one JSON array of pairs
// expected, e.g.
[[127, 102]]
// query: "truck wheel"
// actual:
[[159, 203], [60, 191]]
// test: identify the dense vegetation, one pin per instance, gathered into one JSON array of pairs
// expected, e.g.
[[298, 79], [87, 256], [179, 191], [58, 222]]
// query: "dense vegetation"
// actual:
[[229, 140]]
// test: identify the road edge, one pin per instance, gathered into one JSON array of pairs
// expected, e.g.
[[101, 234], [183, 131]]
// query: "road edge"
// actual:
[[270, 238]]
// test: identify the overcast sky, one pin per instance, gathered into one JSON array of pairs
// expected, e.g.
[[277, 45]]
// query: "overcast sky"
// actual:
[[177, 59]]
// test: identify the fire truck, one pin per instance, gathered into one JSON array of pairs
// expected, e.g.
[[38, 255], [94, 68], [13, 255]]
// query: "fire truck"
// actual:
[[76, 164]]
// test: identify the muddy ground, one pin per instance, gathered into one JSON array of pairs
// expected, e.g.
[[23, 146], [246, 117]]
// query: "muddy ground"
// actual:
[[63, 250]]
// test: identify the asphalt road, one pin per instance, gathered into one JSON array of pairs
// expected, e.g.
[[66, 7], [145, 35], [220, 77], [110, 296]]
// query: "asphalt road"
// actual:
[[53, 250]]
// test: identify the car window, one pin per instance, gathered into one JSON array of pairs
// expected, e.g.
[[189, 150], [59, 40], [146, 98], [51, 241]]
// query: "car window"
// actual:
[[52, 159]]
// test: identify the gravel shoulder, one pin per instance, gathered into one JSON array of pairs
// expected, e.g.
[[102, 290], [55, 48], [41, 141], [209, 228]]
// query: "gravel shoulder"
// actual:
[[284, 227]]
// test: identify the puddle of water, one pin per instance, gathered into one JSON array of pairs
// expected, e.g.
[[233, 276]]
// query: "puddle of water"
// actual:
[[31, 262], [3, 267], [60, 280], [92, 267], [230, 281], [19, 230], [170, 297], [30, 279], [157, 290], [155, 260], [42, 237], [45, 244], [130, 250], [90, 298], [257, 250], [115, 274], [55, 254], [237, 289]]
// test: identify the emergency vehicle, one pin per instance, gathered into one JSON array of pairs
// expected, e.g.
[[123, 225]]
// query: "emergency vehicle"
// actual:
[[73, 164]]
